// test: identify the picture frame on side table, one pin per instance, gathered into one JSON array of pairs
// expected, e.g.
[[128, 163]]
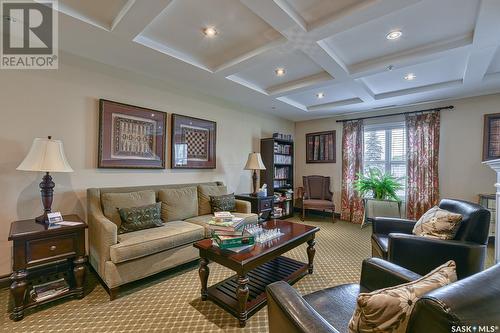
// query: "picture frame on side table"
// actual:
[[491, 137], [131, 137], [321, 147], [193, 143]]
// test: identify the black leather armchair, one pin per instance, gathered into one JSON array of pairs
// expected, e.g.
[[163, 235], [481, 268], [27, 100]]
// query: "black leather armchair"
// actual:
[[392, 239], [472, 301]]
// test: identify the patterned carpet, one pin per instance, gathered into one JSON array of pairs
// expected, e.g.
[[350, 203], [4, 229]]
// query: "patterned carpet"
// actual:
[[170, 302]]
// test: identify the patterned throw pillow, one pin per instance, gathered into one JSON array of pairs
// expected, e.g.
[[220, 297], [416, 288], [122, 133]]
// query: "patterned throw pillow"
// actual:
[[223, 203], [138, 218], [388, 310], [438, 223]]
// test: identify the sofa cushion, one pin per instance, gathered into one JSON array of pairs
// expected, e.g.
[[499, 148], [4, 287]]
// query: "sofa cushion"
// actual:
[[223, 203], [388, 310], [111, 202], [139, 218], [179, 203], [142, 243], [438, 223], [204, 193], [202, 220]]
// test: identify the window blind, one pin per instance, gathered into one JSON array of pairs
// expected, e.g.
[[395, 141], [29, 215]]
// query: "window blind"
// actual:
[[384, 148]]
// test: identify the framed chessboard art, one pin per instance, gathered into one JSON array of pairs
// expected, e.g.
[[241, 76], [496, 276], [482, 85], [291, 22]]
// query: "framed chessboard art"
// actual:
[[320, 147], [131, 137], [491, 137], [193, 143]]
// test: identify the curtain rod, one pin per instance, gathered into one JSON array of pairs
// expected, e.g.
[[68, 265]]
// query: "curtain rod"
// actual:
[[449, 107]]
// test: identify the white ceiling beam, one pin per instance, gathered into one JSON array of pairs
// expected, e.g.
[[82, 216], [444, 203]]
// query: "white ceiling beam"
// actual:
[[296, 17], [330, 106], [485, 43], [244, 61], [139, 15], [409, 57], [487, 31], [422, 89], [365, 12], [477, 65], [299, 85]]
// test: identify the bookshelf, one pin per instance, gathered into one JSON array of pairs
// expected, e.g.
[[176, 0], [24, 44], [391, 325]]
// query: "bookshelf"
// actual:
[[277, 155]]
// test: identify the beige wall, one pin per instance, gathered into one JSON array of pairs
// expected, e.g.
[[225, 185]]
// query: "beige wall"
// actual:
[[64, 103], [461, 173]]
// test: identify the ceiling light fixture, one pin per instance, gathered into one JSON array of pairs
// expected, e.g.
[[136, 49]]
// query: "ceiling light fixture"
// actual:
[[279, 71], [410, 77], [320, 95], [393, 35], [390, 68], [210, 32]]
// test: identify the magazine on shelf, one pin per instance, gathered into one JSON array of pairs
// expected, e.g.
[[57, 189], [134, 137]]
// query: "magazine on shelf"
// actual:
[[47, 290]]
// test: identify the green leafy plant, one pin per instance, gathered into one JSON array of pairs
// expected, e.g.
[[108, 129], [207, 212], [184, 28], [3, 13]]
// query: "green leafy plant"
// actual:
[[380, 185]]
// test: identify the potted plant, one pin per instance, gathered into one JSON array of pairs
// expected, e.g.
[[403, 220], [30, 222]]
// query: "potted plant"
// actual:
[[379, 192]]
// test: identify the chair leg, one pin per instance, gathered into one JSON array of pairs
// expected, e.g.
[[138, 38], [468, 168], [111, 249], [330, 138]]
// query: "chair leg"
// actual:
[[113, 293], [303, 213]]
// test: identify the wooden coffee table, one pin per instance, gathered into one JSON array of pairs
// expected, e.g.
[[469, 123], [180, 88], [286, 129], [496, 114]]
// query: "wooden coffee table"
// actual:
[[245, 293]]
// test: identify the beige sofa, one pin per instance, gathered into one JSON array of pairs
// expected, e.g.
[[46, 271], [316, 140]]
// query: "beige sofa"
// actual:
[[123, 258]]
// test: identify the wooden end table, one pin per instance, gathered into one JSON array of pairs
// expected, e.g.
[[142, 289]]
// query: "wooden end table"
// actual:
[[37, 248], [262, 206], [245, 293]]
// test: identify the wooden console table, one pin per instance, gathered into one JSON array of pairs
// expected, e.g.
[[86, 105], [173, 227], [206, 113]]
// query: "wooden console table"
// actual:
[[245, 293], [37, 249]]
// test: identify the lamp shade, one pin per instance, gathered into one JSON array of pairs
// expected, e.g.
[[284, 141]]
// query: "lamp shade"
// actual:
[[254, 162], [46, 155]]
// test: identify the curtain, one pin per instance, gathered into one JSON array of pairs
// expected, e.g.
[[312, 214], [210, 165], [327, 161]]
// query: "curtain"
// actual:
[[422, 191], [352, 158]]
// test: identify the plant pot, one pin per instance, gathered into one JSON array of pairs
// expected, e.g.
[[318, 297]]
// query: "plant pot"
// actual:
[[382, 208]]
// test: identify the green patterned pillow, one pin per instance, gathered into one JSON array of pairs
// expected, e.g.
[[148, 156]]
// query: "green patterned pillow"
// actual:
[[139, 218], [223, 203]]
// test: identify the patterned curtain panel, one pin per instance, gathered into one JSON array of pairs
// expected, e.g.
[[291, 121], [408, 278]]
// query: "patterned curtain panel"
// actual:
[[422, 191], [352, 158]]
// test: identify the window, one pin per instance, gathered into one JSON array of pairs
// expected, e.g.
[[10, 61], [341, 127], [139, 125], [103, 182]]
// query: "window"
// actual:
[[385, 149]]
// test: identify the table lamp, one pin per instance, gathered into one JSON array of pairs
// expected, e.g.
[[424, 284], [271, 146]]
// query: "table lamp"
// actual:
[[46, 155], [254, 163]]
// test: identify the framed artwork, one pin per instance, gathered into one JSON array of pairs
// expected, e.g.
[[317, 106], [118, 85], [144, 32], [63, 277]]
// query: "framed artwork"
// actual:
[[320, 147], [131, 137], [193, 143], [491, 137]]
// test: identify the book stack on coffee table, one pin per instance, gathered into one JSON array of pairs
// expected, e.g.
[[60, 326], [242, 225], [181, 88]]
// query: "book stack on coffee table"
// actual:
[[228, 232]]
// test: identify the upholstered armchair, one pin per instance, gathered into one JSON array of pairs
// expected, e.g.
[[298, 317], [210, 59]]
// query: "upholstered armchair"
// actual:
[[392, 239], [469, 302], [315, 194]]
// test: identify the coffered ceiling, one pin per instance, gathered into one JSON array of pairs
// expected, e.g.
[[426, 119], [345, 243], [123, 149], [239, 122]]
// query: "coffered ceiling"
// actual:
[[335, 54]]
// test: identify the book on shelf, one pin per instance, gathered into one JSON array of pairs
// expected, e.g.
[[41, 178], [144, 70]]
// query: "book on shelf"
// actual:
[[43, 291]]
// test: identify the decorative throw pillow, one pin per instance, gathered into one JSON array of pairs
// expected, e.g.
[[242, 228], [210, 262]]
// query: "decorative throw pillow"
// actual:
[[178, 203], [438, 223], [111, 202], [204, 193], [139, 218], [223, 203], [388, 310]]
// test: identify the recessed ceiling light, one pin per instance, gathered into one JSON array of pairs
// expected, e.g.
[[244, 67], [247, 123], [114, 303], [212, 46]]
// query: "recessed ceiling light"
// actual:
[[390, 67], [410, 77], [320, 95], [393, 35], [279, 71], [210, 32]]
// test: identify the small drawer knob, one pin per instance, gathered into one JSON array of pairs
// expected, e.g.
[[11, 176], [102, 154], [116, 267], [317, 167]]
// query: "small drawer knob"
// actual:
[[52, 248]]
